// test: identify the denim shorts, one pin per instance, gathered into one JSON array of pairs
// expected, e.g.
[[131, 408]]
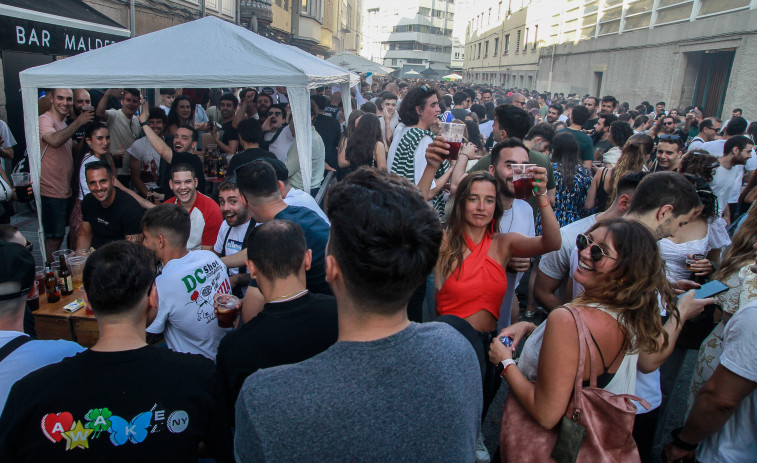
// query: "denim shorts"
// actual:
[[55, 214]]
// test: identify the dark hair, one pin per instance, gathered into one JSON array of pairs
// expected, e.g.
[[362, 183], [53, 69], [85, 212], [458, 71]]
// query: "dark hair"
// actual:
[[173, 115], [418, 96], [361, 146], [270, 98], [282, 173], [660, 103], [736, 126], [229, 97], [737, 110], [596, 100], [610, 99], [513, 120], [158, 113], [608, 119], [277, 248], [168, 91], [388, 96], [171, 220], [118, 276], [640, 120], [94, 126], [182, 167], [474, 134], [133, 92], [511, 142], [369, 107], [227, 185], [707, 123], [490, 110], [191, 128], [320, 101], [629, 182], [706, 196], [739, 141], [699, 162], [620, 132], [565, 153], [384, 236], [665, 188], [480, 111], [556, 107], [459, 98], [97, 165], [257, 179], [543, 130], [250, 130], [579, 115]]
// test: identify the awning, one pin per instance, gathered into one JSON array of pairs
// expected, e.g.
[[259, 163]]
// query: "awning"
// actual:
[[55, 27]]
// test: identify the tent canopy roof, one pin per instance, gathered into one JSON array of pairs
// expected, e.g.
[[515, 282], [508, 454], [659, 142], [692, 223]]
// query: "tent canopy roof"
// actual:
[[230, 56], [357, 63]]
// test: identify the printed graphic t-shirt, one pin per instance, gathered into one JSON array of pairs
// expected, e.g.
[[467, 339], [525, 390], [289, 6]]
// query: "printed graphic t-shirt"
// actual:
[[146, 405], [185, 303]]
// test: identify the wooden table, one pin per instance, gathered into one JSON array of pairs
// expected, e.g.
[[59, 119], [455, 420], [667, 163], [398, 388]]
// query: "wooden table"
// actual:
[[52, 322]]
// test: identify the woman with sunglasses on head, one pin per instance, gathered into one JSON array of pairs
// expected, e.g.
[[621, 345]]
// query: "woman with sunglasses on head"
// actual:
[[624, 283]]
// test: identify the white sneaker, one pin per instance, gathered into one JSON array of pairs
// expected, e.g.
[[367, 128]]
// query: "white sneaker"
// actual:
[[482, 454]]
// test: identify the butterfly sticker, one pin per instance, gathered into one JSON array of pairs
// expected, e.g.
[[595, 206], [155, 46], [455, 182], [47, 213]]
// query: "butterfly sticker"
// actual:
[[135, 431]]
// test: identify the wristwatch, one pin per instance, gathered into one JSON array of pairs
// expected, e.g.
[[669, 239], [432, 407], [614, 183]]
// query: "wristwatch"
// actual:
[[142, 124], [502, 366]]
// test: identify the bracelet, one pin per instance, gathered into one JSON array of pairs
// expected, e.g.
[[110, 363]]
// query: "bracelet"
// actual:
[[506, 364], [142, 124], [537, 194], [545, 205], [681, 443]]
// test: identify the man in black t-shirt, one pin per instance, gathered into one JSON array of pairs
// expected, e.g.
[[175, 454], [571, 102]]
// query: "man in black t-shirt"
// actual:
[[294, 324], [328, 128], [122, 400], [592, 104], [184, 140], [81, 100], [226, 138], [108, 214], [250, 136]]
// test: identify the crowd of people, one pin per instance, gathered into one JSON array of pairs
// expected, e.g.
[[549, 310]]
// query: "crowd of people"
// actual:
[[380, 312]]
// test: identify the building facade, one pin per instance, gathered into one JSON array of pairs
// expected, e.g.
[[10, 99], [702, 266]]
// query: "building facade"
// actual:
[[683, 52], [409, 32]]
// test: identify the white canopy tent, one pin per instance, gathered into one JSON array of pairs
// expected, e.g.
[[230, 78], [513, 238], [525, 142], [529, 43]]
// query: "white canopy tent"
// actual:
[[206, 53], [359, 64]]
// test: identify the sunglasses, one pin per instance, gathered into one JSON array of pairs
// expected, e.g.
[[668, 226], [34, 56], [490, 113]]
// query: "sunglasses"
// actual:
[[596, 252], [275, 113], [669, 137]]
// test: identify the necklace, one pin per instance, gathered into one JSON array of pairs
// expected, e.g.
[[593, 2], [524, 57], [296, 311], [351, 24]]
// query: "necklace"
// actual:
[[512, 217], [288, 297]]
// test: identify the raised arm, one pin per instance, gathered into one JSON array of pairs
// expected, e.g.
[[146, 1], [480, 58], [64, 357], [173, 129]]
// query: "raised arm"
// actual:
[[155, 140], [102, 106], [591, 196], [55, 139], [521, 246]]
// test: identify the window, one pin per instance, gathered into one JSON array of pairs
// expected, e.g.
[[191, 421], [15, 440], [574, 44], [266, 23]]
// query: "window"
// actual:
[[414, 61], [525, 42], [496, 46], [479, 51], [313, 9], [517, 43], [394, 61], [507, 44], [536, 37], [486, 49], [286, 5]]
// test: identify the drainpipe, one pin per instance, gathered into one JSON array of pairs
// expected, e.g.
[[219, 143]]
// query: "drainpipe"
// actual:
[[551, 68], [202, 8], [131, 18]]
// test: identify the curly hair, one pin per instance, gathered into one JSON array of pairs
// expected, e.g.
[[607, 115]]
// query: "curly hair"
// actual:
[[417, 97], [453, 246], [632, 288], [633, 156], [699, 162]]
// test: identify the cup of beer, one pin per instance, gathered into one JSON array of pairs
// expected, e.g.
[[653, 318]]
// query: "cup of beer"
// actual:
[[452, 133], [226, 305], [22, 184]]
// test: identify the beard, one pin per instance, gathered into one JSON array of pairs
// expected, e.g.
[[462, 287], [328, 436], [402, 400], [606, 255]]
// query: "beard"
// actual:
[[503, 189]]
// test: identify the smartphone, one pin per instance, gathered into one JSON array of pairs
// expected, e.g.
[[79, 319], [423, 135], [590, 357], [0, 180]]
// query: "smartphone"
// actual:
[[709, 289]]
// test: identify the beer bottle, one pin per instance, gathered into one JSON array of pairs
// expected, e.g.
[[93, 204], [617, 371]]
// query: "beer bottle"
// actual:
[[67, 285], [51, 284]]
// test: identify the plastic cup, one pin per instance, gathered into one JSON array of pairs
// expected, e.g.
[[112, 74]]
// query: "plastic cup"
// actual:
[[22, 183], [523, 179], [66, 253], [39, 275], [452, 133], [226, 305], [76, 265]]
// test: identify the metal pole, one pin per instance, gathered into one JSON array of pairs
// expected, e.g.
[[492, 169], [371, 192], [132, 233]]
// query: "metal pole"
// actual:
[[131, 18]]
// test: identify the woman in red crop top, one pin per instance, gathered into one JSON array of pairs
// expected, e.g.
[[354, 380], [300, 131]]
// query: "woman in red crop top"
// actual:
[[470, 274]]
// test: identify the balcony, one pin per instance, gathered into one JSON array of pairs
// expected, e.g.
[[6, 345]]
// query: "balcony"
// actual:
[[262, 10]]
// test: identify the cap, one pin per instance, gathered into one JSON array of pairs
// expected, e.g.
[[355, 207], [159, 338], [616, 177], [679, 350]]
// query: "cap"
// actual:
[[16, 265]]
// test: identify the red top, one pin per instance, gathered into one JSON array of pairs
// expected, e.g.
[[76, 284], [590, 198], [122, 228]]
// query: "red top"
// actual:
[[480, 285]]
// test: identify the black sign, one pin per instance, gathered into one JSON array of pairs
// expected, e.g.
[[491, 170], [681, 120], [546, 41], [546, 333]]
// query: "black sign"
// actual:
[[37, 37]]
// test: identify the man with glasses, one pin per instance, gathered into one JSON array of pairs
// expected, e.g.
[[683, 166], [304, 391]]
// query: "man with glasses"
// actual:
[[518, 100], [141, 402], [276, 137], [708, 131]]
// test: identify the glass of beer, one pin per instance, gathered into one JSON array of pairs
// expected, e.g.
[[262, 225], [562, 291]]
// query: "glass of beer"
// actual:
[[453, 135], [22, 183], [523, 179], [76, 265], [226, 305]]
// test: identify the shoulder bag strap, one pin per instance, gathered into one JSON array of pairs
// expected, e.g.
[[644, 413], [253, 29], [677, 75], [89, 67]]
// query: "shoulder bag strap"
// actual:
[[12, 345], [583, 342], [225, 239]]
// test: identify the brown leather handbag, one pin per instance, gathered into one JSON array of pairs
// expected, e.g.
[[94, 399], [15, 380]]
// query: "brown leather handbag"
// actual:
[[607, 418]]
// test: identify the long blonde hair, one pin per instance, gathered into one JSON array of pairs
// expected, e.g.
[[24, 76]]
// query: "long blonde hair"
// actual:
[[632, 288]]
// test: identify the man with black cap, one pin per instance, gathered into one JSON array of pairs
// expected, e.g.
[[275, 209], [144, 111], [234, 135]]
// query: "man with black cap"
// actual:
[[19, 354]]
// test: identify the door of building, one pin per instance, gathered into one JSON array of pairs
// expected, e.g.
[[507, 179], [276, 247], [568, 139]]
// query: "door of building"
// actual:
[[13, 63], [712, 81]]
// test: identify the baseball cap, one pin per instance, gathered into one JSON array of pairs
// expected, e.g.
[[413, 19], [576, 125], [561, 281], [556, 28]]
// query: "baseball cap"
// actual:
[[16, 265]]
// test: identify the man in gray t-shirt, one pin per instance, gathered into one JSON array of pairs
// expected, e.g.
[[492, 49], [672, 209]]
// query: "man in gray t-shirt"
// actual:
[[389, 389]]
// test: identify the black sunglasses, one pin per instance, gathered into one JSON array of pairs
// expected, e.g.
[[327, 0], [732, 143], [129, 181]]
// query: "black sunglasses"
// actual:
[[596, 252], [669, 137]]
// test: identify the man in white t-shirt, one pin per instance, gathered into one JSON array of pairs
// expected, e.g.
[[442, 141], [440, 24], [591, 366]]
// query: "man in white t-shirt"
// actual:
[[167, 95], [728, 176], [123, 125], [233, 231], [145, 160], [722, 424], [277, 138], [7, 142], [186, 285]]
